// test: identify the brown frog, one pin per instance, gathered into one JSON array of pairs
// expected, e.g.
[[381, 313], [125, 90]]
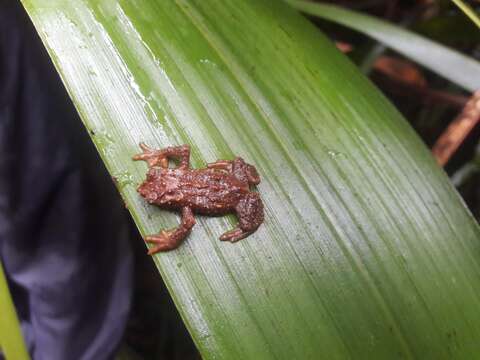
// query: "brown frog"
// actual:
[[223, 187]]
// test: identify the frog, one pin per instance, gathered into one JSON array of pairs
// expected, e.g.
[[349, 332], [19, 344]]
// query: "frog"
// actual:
[[222, 187]]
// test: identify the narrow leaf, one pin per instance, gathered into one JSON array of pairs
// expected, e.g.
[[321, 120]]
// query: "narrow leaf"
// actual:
[[366, 249], [467, 9], [11, 340], [452, 65]]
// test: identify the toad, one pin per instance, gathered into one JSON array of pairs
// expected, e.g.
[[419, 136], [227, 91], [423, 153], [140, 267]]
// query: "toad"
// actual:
[[223, 187]]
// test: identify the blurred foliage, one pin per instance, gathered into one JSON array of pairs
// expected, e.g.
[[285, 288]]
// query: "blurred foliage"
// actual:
[[442, 21], [445, 61], [452, 29]]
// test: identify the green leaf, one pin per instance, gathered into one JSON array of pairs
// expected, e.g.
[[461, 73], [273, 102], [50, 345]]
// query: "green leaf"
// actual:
[[472, 15], [366, 249], [11, 340], [452, 65]]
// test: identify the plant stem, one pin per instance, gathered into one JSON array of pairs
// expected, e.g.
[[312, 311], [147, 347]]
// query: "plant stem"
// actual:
[[468, 11]]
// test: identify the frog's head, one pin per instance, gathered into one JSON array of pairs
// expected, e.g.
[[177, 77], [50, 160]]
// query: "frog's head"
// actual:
[[153, 188], [252, 174], [245, 171]]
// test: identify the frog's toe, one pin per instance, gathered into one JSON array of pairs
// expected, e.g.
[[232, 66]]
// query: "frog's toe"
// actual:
[[163, 236], [234, 235], [152, 157], [162, 242]]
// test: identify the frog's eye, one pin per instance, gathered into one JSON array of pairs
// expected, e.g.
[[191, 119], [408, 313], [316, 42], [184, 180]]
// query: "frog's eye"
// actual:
[[252, 175]]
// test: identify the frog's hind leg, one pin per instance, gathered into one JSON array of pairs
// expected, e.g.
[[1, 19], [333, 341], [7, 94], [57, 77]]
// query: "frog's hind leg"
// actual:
[[250, 215], [182, 152], [171, 239]]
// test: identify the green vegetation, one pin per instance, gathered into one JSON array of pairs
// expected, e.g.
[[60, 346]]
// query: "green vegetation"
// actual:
[[366, 250]]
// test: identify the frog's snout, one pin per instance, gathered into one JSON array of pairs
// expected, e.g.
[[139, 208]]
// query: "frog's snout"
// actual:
[[142, 190], [145, 190], [150, 192]]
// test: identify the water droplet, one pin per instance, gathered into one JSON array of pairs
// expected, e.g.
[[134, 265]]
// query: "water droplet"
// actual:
[[123, 179], [104, 142], [208, 62], [73, 23], [334, 154], [205, 336], [147, 102]]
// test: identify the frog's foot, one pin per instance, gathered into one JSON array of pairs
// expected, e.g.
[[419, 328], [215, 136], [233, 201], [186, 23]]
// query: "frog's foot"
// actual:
[[162, 242], [235, 235], [226, 165], [152, 157], [171, 239]]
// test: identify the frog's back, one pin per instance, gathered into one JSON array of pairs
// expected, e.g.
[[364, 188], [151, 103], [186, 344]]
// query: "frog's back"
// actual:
[[206, 191], [214, 180]]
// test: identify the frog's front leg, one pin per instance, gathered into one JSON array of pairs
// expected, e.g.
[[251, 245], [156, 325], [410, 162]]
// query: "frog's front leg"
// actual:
[[151, 156], [171, 239], [160, 157], [182, 152]]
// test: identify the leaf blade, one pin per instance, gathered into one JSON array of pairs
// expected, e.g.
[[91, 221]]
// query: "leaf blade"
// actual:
[[332, 270]]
